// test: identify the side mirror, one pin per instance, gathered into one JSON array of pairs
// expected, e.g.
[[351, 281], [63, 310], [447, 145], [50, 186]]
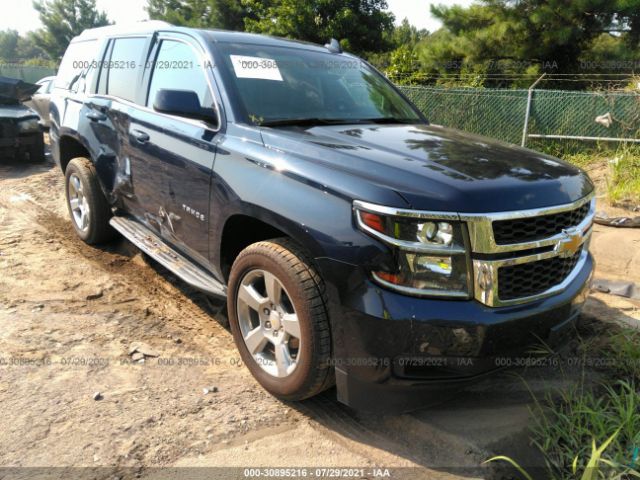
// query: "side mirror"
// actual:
[[183, 103]]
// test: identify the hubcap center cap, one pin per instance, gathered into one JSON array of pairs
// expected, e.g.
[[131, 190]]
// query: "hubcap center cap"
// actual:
[[274, 318]]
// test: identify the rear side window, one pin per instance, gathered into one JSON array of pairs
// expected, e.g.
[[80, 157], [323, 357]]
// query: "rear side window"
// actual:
[[120, 72], [178, 67], [77, 60]]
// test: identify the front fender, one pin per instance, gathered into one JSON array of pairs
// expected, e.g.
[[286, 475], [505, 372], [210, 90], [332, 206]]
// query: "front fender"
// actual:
[[264, 184]]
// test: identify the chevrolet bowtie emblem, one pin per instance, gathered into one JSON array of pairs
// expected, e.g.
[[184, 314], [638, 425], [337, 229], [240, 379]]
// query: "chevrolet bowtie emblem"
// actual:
[[570, 243]]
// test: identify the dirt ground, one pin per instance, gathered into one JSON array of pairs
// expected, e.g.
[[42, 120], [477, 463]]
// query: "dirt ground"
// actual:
[[71, 395]]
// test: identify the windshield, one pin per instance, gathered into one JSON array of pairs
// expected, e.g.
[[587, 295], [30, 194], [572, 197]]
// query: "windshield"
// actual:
[[280, 86]]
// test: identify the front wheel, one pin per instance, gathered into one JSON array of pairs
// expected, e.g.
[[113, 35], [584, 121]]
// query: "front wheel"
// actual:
[[278, 314]]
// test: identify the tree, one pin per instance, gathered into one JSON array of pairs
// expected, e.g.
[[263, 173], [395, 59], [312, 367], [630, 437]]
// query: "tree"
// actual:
[[28, 50], [63, 20], [513, 37], [8, 45], [15, 48], [224, 14], [360, 25], [407, 35], [403, 67]]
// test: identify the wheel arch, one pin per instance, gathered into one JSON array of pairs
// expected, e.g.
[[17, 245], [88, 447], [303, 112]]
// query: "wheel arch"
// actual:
[[69, 148], [257, 224]]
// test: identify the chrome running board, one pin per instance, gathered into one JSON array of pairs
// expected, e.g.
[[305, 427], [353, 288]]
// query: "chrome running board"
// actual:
[[168, 257]]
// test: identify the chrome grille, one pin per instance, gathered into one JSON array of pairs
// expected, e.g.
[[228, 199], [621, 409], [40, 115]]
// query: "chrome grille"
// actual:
[[534, 278], [526, 255], [521, 230]]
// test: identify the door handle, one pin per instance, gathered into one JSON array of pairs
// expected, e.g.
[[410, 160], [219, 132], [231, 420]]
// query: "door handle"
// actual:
[[140, 136], [96, 116]]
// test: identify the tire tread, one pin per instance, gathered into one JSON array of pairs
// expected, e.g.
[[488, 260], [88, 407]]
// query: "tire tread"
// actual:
[[298, 262], [100, 231]]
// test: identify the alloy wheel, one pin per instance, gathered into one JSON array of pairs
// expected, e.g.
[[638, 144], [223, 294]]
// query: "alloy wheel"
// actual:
[[268, 323]]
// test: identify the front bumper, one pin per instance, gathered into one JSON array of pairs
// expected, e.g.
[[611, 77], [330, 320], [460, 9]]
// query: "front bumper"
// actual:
[[19, 145], [395, 353]]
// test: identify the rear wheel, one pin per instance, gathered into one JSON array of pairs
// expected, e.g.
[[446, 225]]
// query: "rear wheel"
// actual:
[[278, 316], [88, 208]]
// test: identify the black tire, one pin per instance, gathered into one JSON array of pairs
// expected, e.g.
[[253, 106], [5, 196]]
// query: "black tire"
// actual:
[[36, 151], [288, 263], [97, 228]]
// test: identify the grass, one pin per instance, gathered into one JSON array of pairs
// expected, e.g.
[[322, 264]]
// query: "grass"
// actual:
[[619, 347], [566, 423], [624, 186], [624, 182], [585, 160], [565, 428], [569, 423]]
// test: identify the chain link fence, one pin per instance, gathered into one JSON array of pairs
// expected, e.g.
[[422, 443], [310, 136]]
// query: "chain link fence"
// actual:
[[28, 73], [499, 113], [553, 114]]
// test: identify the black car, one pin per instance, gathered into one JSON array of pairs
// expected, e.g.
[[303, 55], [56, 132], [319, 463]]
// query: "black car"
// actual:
[[20, 130], [355, 243]]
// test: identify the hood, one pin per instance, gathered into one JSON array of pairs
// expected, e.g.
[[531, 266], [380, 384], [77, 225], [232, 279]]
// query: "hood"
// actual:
[[14, 91], [16, 112], [435, 168]]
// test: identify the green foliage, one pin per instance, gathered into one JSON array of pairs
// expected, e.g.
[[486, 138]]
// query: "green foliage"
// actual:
[[568, 423], [514, 41], [8, 45], [595, 468], [63, 20], [623, 348], [565, 429], [15, 48], [406, 35], [582, 159], [223, 14], [624, 187], [360, 25], [403, 66]]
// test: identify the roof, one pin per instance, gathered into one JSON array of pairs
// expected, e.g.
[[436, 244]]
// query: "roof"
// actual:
[[222, 36], [149, 26], [225, 36]]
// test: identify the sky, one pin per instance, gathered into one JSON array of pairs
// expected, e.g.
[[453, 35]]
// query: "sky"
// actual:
[[20, 15]]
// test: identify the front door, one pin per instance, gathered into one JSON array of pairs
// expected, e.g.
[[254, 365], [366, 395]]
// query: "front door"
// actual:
[[178, 153]]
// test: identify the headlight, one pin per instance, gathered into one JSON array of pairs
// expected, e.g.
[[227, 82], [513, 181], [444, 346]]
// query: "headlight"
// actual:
[[28, 126], [430, 253]]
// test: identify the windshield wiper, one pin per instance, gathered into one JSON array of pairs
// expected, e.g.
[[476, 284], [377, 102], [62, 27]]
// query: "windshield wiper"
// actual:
[[307, 122]]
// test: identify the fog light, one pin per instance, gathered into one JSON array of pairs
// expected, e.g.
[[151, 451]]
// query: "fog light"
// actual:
[[427, 263]]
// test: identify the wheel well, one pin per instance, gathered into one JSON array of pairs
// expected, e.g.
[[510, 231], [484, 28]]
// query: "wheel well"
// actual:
[[239, 232], [70, 148]]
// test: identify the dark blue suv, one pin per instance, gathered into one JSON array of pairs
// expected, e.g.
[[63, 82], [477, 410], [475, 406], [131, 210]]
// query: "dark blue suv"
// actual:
[[355, 243]]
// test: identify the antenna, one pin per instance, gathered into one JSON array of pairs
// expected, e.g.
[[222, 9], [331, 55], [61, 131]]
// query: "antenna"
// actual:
[[333, 46]]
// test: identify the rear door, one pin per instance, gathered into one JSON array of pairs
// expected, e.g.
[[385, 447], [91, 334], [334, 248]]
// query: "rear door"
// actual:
[[176, 153], [118, 95]]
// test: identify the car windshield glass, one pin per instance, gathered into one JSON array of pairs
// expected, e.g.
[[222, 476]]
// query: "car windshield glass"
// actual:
[[281, 86]]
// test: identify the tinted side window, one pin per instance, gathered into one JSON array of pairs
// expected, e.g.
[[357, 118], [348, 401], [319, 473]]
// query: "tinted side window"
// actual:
[[177, 67], [127, 58], [77, 59]]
